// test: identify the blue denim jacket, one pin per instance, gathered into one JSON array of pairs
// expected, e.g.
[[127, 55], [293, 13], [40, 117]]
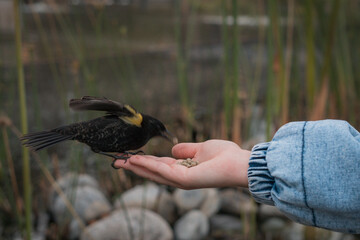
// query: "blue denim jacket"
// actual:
[[311, 172]]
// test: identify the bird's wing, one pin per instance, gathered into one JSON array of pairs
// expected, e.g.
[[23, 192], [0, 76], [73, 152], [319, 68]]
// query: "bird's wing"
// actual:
[[97, 104], [123, 111]]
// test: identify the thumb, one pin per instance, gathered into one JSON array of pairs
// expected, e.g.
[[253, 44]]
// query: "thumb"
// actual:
[[185, 150]]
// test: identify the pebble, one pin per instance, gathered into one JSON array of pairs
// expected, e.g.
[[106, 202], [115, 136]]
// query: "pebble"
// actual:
[[193, 225], [273, 225], [236, 202], [267, 211], [144, 224], [186, 200], [72, 181], [225, 223], [211, 203], [88, 202], [149, 196]]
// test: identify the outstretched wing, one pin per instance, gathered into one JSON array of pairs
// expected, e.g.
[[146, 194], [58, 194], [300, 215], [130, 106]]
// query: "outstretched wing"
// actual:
[[123, 111], [97, 104]]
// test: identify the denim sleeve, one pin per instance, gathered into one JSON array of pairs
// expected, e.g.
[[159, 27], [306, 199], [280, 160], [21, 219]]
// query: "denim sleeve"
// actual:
[[311, 172]]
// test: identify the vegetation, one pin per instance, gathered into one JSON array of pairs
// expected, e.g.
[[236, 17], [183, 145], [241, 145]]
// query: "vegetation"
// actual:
[[214, 69]]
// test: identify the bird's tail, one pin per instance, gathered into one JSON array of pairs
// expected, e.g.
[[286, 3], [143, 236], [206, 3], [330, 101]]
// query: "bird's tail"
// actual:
[[39, 140]]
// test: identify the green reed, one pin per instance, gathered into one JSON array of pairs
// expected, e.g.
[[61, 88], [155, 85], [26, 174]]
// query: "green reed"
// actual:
[[181, 60], [24, 127], [51, 59], [230, 61], [311, 83], [270, 102]]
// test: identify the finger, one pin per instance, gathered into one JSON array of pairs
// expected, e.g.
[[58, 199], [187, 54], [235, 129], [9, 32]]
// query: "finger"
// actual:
[[185, 150], [166, 160], [143, 172], [173, 172], [119, 163], [151, 163]]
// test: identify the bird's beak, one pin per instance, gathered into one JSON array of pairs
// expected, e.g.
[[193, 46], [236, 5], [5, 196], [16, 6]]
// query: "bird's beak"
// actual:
[[168, 136]]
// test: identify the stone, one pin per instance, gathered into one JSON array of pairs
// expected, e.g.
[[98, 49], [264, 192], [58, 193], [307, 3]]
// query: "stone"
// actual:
[[187, 200], [89, 203], [267, 211], [79, 180], [273, 225], [144, 196], [294, 231], [236, 202], [144, 224], [211, 203], [149, 196], [193, 225], [225, 223], [341, 236], [74, 230], [166, 206], [71, 181]]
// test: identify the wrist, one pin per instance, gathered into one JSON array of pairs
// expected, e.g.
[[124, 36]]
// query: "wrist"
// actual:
[[244, 165]]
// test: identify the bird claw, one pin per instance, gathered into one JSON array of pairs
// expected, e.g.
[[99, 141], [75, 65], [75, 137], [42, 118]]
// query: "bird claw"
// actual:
[[119, 157], [113, 165], [123, 156], [115, 159], [134, 153]]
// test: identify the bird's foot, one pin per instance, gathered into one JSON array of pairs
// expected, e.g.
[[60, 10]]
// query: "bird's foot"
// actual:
[[134, 153], [124, 157]]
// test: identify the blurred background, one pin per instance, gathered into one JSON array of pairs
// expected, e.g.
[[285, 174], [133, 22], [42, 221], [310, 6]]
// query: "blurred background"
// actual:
[[235, 70]]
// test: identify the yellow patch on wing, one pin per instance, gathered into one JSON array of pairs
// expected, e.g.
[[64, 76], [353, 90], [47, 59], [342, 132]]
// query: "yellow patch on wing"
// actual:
[[135, 119]]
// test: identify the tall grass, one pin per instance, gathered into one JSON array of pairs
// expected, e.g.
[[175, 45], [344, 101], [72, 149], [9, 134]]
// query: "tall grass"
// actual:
[[270, 102], [311, 69], [311, 79], [319, 110], [23, 116], [230, 61], [14, 184], [181, 59], [345, 69], [51, 59]]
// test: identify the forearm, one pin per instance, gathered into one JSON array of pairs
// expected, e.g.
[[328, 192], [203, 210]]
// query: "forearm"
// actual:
[[310, 171]]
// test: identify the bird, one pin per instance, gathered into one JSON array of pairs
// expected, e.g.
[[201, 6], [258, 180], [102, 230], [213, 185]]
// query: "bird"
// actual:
[[121, 130]]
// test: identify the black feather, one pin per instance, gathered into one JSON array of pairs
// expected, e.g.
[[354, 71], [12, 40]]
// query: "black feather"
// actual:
[[99, 104], [40, 140], [121, 130]]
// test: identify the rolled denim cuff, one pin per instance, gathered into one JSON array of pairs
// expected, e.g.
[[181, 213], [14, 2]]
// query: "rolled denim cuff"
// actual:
[[260, 180]]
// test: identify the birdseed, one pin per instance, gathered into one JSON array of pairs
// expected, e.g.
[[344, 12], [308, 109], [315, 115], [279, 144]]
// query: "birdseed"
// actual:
[[188, 163]]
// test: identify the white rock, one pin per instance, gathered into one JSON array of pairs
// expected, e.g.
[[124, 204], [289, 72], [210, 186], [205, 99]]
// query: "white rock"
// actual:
[[266, 211], [88, 202], [72, 181], [74, 229], [144, 224], [211, 203], [166, 206], [225, 223], [295, 231], [145, 196], [149, 196], [193, 225], [273, 225], [187, 200], [236, 202]]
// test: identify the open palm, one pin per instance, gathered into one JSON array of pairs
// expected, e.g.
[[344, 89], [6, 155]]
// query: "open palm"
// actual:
[[221, 163]]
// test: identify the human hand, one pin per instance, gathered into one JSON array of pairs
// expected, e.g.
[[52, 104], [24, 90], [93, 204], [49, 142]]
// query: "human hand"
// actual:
[[221, 164]]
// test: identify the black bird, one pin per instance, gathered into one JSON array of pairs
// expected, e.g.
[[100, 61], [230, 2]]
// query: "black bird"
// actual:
[[121, 130]]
